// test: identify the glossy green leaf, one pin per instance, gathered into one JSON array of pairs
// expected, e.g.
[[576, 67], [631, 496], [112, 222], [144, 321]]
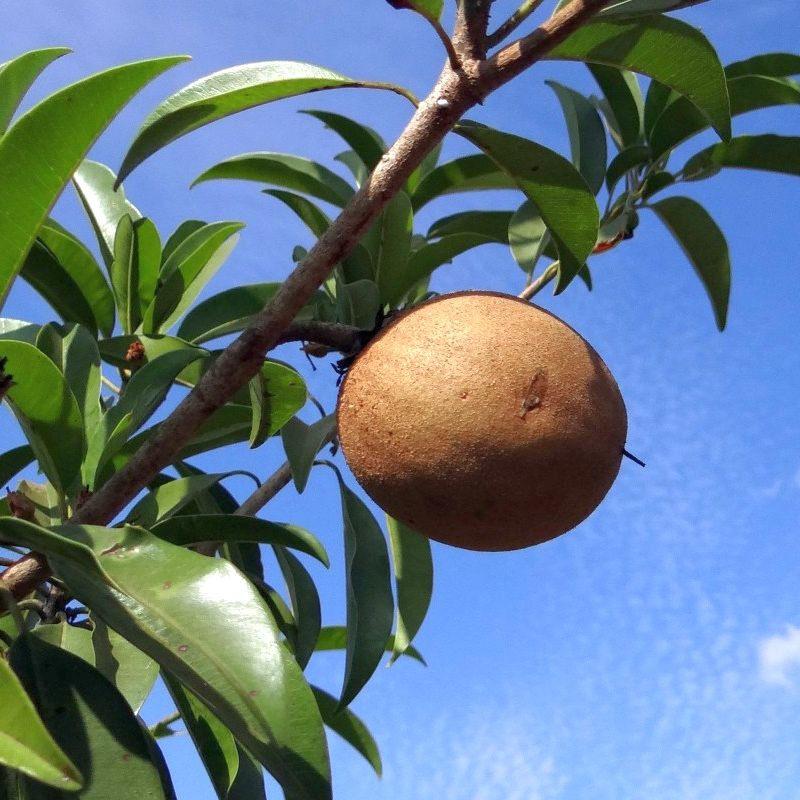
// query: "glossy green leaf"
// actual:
[[302, 443], [334, 637], [187, 270], [431, 8], [656, 181], [45, 501], [41, 150], [370, 606], [624, 97], [163, 589], [704, 245], [491, 224], [81, 368], [648, 45], [358, 303], [428, 258], [17, 76], [214, 742], [104, 205], [413, 571], [365, 142], [73, 639], [249, 781], [305, 604], [637, 8], [182, 232], [127, 667], [168, 499], [765, 152], [260, 404], [192, 529], [142, 395], [774, 65], [425, 166], [224, 93], [90, 720], [527, 236], [465, 174], [25, 743], [560, 193], [587, 136], [288, 171], [14, 461], [627, 159], [680, 119], [47, 411], [344, 722], [354, 164], [393, 248], [232, 311]]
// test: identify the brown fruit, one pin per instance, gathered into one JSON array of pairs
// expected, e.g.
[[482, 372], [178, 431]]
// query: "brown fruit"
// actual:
[[482, 421]]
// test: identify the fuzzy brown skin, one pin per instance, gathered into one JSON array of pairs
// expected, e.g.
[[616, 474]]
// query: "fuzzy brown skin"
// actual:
[[482, 421]]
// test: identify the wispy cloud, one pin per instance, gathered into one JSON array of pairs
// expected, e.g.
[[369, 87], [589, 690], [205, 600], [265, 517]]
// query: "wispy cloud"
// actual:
[[779, 656]]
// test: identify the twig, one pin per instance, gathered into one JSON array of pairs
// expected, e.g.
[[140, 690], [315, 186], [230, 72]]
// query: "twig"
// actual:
[[534, 287], [440, 32], [114, 388], [334, 335], [454, 93], [526, 8]]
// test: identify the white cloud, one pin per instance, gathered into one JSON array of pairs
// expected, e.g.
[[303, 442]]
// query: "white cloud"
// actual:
[[779, 655]]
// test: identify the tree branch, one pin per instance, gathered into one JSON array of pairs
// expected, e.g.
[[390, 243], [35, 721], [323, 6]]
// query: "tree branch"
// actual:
[[332, 334], [453, 95]]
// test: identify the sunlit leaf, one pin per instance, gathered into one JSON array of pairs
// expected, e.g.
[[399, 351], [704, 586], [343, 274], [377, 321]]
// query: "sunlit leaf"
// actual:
[[344, 722], [89, 719], [648, 45], [413, 571], [191, 529], [17, 76], [41, 150], [624, 97], [47, 411], [392, 249], [365, 142], [638, 8], [560, 193], [14, 461], [288, 171], [704, 245], [491, 224], [302, 443], [587, 136], [25, 743], [765, 152], [775, 65], [223, 93]]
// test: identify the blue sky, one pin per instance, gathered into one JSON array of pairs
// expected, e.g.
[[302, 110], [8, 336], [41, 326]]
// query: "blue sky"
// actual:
[[652, 653]]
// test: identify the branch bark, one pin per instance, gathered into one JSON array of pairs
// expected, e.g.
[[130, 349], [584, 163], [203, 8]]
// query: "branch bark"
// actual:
[[455, 92]]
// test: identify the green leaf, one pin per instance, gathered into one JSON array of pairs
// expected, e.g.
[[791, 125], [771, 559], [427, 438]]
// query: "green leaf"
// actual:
[[365, 142], [637, 8], [249, 781], [187, 270], [25, 743], [370, 606], [89, 719], [115, 349], [357, 303], [774, 65], [45, 501], [232, 311], [656, 181], [18, 75], [163, 591], [104, 205], [765, 152], [168, 499], [426, 165], [42, 149], [288, 171], [135, 269], [587, 136], [71, 638], [491, 224], [425, 260], [14, 461], [648, 45], [413, 570], [393, 248], [467, 174], [224, 93], [704, 245], [179, 235], [214, 742], [127, 667], [305, 604], [47, 411], [560, 193], [81, 368], [680, 119], [629, 158], [302, 443], [18, 330], [624, 97], [344, 722], [192, 529], [334, 637]]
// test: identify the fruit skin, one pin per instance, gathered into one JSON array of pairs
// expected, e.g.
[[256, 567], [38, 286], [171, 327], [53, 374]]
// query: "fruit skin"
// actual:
[[482, 421]]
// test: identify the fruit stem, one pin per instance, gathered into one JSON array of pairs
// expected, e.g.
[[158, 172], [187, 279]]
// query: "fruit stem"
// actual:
[[534, 287]]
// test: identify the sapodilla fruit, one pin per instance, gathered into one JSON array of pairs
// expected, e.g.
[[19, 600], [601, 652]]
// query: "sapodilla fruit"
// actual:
[[482, 421]]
